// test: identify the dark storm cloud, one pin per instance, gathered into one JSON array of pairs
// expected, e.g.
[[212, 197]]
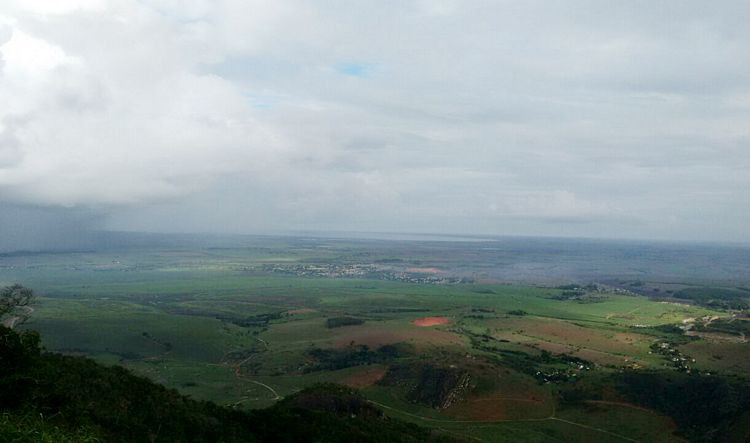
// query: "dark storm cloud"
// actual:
[[33, 228]]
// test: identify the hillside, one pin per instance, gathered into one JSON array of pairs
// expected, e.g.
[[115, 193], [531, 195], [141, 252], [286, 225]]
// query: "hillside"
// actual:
[[54, 397]]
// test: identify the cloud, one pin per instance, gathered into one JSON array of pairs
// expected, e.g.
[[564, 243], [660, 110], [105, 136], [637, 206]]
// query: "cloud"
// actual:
[[55, 7], [575, 118], [117, 119]]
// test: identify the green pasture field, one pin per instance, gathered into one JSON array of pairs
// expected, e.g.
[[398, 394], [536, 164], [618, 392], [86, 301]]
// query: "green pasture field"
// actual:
[[204, 324]]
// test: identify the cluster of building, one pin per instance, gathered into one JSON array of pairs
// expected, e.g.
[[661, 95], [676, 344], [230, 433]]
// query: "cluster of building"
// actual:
[[557, 375], [674, 356], [369, 271]]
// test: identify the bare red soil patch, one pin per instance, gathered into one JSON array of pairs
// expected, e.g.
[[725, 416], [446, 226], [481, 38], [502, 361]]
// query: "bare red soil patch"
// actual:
[[431, 321], [375, 335], [366, 377], [497, 408]]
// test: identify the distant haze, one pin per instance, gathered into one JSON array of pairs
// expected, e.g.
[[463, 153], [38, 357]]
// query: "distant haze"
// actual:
[[555, 118]]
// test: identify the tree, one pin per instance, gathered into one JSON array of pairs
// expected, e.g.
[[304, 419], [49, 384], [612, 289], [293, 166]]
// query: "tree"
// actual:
[[14, 305]]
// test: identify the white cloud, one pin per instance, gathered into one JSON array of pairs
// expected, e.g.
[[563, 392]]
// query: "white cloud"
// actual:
[[111, 124], [54, 7], [501, 117]]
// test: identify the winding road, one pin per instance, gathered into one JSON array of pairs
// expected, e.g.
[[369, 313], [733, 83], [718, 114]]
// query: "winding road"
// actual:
[[238, 373]]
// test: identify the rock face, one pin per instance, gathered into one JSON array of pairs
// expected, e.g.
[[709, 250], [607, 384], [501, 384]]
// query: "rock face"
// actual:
[[10, 322], [435, 386], [24, 312], [457, 392], [440, 387]]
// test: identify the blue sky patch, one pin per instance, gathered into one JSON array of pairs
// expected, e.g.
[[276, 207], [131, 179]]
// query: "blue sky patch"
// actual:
[[354, 69]]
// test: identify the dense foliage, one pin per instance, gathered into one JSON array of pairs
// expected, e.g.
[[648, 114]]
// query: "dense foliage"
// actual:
[[519, 312], [258, 320], [733, 326], [703, 407], [333, 359], [337, 322], [721, 298], [33, 427]]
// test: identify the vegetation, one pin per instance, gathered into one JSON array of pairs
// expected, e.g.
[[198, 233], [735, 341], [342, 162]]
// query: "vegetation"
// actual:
[[739, 327], [519, 312], [245, 331], [721, 298], [703, 407], [34, 428], [259, 320], [337, 322], [85, 401], [335, 413], [333, 359]]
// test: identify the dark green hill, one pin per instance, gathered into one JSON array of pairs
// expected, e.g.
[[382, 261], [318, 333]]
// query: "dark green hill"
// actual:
[[53, 397]]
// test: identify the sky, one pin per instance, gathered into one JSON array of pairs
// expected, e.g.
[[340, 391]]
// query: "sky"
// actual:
[[555, 118]]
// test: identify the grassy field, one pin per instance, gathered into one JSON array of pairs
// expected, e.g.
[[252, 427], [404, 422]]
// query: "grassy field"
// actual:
[[219, 325]]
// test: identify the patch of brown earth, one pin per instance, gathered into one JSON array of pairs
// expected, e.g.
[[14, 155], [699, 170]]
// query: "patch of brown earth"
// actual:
[[365, 377], [498, 408], [384, 334], [599, 346], [431, 321]]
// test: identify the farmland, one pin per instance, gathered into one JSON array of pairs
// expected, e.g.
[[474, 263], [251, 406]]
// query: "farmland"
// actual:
[[421, 336]]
